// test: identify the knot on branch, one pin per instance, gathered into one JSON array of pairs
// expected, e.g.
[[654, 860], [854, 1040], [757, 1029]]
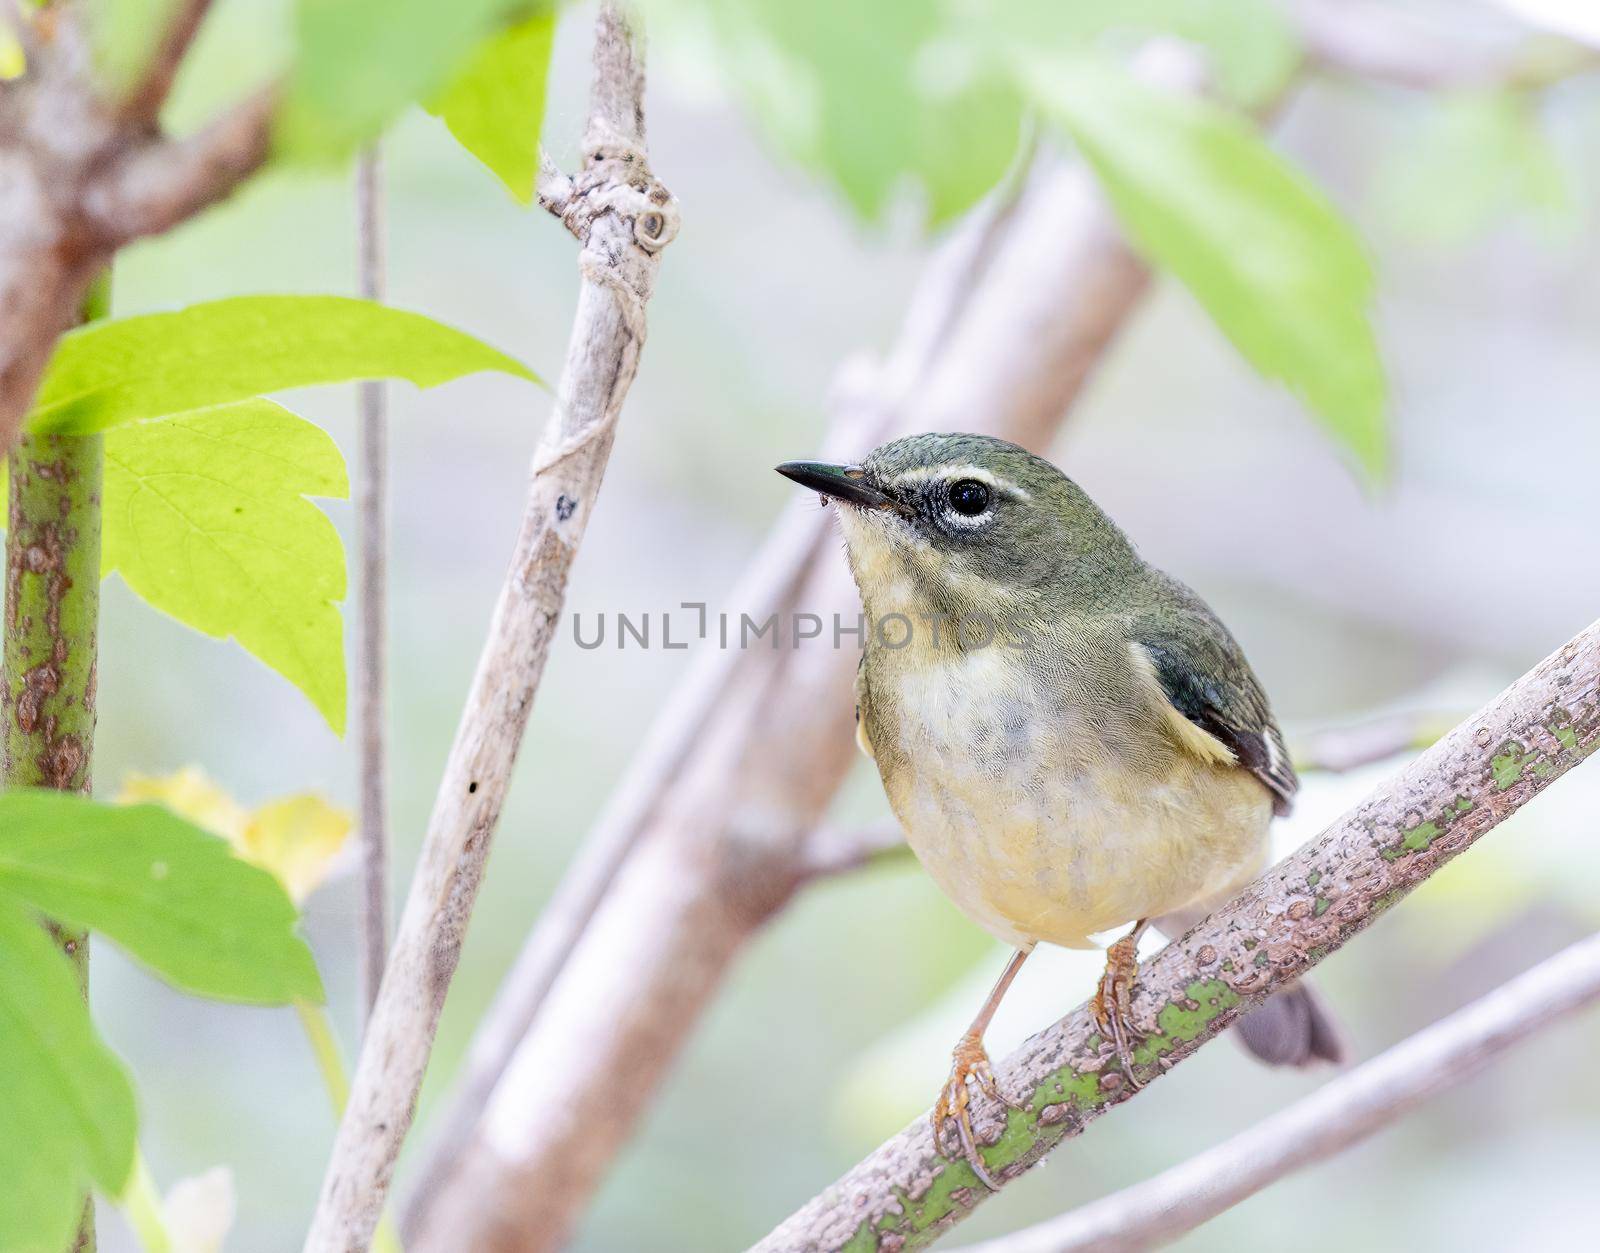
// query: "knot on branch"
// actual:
[[616, 181]]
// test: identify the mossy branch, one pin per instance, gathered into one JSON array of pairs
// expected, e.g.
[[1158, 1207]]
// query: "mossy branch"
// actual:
[[1342, 1113], [51, 631], [52, 609], [905, 1195]]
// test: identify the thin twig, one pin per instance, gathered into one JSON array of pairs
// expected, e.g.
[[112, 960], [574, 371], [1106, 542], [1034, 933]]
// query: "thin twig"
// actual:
[[1287, 921], [1561, 17], [372, 524], [1340, 1114], [629, 217], [158, 184], [555, 187], [150, 89], [833, 851], [1339, 750], [1385, 43]]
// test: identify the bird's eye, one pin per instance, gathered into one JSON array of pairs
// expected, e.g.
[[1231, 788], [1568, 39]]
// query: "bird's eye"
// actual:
[[969, 497]]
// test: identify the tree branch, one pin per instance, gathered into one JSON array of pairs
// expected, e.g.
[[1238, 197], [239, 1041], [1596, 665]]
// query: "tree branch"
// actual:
[[1338, 750], [904, 1195], [554, 185], [149, 91], [160, 183], [372, 520], [79, 178], [52, 611], [1561, 17], [830, 851], [1340, 1114], [623, 227], [51, 631], [1382, 43]]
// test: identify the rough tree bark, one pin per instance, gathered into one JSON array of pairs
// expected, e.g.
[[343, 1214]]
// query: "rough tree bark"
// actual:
[[52, 632], [81, 175], [905, 1195], [1340, 1114], [623, 217], [52, 605], [1001, 339]]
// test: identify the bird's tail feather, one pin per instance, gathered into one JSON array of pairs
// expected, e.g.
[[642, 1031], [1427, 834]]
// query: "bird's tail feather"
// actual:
[[1293, 1028]]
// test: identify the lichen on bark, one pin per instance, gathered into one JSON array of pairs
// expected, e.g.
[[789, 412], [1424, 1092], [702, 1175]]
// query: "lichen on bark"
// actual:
[[50, 631], [52, 603]]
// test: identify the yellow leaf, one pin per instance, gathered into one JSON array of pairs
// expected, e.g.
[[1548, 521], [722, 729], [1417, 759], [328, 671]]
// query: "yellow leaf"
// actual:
[[190, 794], [295, 838], [13, 61]]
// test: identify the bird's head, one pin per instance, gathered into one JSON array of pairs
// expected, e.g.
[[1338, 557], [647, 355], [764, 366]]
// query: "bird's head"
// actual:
[[961, 524]]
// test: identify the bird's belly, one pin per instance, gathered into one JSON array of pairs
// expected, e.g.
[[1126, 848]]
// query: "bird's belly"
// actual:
[[1059, 836]]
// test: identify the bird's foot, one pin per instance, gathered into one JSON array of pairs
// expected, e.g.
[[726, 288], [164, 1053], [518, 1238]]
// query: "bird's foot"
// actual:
[[969, 1064], [1113, 1002]]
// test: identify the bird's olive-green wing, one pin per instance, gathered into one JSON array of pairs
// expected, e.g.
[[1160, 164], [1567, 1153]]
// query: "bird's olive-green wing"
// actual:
[[1204, 675]]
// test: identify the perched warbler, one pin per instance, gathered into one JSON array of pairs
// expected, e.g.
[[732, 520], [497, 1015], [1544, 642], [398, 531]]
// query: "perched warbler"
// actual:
[[1071, 739]]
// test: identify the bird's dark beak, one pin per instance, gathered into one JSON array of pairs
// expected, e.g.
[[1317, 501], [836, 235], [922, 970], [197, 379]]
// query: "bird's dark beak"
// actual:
[[846, 483]]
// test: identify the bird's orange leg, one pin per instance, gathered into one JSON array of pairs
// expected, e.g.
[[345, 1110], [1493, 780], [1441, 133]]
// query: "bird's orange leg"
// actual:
[[969, 1062], [1113, 999]]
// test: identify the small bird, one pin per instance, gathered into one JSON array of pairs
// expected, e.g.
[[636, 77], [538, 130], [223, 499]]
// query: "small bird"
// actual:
[[1070, 738]]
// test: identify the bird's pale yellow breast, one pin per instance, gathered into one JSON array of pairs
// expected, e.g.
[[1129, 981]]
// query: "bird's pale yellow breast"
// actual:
[[1047, 790]]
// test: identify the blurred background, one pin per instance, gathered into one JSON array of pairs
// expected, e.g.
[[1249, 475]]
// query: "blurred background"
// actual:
[[1428, 595]]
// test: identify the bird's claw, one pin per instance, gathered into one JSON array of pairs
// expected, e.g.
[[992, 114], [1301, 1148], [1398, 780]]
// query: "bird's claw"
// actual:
[[1113, 1003], [969, 1063]]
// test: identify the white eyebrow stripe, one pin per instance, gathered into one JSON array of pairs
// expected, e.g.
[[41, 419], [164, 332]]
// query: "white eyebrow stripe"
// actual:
[[987, 477]]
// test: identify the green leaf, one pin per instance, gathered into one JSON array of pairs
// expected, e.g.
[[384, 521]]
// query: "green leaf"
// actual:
[[875, 96], [68, 1105], [206, 518], [131, 369], [174, 896], [1249, 46], [358, 63], [1273, 263], [124, 36], [1471, 161], [919, 92], [495, 106]]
